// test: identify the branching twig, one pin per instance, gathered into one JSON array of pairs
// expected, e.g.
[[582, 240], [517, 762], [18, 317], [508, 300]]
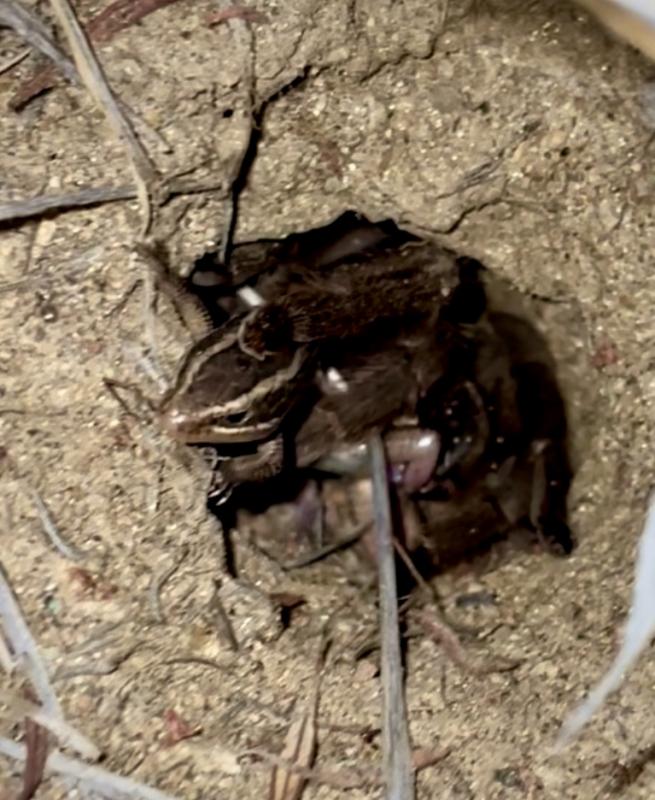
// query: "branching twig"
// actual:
[[30, 28], [93, 778], [67, 735], [398, 772]]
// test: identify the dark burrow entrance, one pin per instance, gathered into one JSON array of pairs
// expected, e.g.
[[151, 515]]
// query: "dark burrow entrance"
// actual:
[[361, 328]]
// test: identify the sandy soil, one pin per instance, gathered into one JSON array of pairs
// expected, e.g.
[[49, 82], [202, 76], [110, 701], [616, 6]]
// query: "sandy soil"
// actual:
[[516, 132]]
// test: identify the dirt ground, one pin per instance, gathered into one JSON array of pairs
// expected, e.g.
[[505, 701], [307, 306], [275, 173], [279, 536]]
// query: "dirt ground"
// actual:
[[517, 132]]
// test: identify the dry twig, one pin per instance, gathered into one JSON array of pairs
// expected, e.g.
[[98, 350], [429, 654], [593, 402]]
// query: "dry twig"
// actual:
[[93, 778], [338, 779], [254, 112], [23, 646], [66, 734], [50, 527], [47, 522], [398, 772], [100, 29], [443, 634], [45, 204], [30, 28], [328, 550], [158, 581], [637, 634], [14, 61], [147, 178]]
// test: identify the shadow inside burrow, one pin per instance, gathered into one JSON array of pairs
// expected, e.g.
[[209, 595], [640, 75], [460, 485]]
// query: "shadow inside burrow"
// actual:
[[493, 398]]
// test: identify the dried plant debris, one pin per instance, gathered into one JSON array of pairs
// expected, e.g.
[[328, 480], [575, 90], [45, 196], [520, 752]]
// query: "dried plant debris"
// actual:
[[100, 29], [288, 782], [36, 33], [23, 647], [90, 777], [48, 717], [637, 636], [364, 328], [93, 77], [396, 753], [17, 210]]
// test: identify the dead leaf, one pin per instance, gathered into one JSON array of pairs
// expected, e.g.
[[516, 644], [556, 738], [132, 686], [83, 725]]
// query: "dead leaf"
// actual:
[[300, 744], [299, 749], [423, 757]]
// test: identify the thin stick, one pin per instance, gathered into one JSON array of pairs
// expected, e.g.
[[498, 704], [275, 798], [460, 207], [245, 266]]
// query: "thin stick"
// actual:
[[147, 178], [24, 648], [443, 634], [397, 764], [101, 29], [338, 778], [94, 778], [67, 735], [37, 206], [10, 63], [324, 552], [50, 528], [6, 661], [158, 581], [223, 622], [44, 204], [29, 27]]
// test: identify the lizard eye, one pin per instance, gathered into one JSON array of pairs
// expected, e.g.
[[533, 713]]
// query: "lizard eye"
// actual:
[[236, 418]]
